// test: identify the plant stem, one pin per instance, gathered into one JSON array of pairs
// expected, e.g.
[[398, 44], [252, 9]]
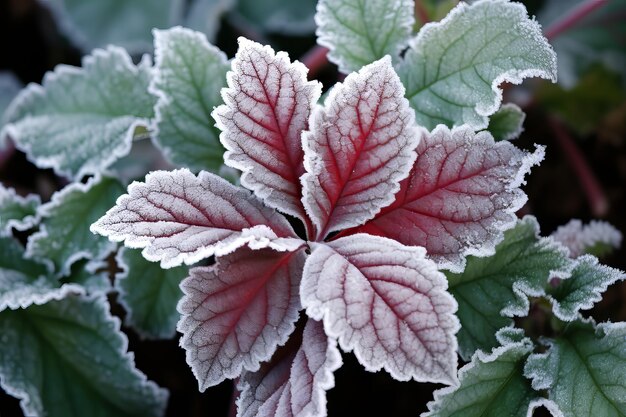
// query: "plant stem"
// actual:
[[421, 13], [315, 60], [232, 409], [574, 16]]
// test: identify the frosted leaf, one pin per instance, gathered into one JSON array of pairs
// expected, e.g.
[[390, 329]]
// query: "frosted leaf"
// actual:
[[189, 75], [497, 287], [91, 275], [179, 217], [462, 192], [361, 145], [584, 370], [149, 294], [64, 235], [237, 312], [295, 381], [597, 238], [359, 32], [16, 211], [283, 17], [583, 288], [10, 86], [453, 68], [386, 302], [507, 123], [491, 385], [268, 102], [69, 358], [81, 120]]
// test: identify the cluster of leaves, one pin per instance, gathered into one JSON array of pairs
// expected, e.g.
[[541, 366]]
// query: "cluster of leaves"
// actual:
[[380, 221]]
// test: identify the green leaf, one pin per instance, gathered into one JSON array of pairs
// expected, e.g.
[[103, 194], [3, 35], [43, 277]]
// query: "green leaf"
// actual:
[[492, 289], [205, 15], [9, 87], [286, 17], [597, 238], [490, 385], [453, 68], [92, 276], [16, 211], [190, 74], [584, 288], [81, 120], [64, 237], [584, 370], [359, 32], [68, 358], [507, 122], [149, 294]]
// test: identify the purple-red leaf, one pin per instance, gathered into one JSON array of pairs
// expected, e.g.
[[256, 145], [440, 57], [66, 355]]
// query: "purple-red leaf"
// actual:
[[178, 217], [268, 103], [295, 382], [461, 194], [237, 312], [385, 301], [361, 145]]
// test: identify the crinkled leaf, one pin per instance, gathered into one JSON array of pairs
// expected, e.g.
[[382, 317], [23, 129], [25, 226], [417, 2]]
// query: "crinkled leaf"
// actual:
[[497, 287], [507, 122], [491, 385], [64, 235], [81, 120], [359, 32], [286, 17], [179, 217], [189, 75], [361, 145], [10, 86], [596, 238], [462, 192], [295, 381], [237, 312], [453, 68], [205, 15], [268, 102], [385, 301], [16, 211], [584, 370], [69, 358], [149, 294], [583, 288]]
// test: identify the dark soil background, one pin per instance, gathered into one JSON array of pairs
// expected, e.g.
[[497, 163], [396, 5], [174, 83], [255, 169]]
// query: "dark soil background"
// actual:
[[30, 45]]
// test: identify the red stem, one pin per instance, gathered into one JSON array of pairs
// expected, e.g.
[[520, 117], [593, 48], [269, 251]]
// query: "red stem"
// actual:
[[574, 16], [315, 60], [592, 188], [421, 12]]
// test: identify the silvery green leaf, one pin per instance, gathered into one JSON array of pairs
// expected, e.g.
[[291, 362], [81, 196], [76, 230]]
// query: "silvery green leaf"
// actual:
[[16, 211], [494, 288], [584, 370], [453, 68], [149, 294], [359, 32], [189, 75], [205, 15], [81, 120], [64, 236], [91, 275], [507, 122], [69, 358], [9, 87], [285, 17]]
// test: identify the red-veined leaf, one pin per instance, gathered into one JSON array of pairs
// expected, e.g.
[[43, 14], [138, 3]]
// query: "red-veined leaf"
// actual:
[[295, 381], [268, 103], [178, 217], [236, 313], [385, 301], [461, 194], [361, 145]]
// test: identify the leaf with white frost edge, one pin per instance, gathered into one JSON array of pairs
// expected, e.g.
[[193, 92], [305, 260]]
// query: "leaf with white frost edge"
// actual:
[[64, 235], [16, 211], [295, 381], [189, 75], [453, 68], [361, 144], [491, 385], [507, 123], [180, 217], [461, 194], [583, 370], [69, 358], [268, 103], [81, 120], [583, 288], [359, 32], [149, 294], [492, 289], [596, 238], [385, 301], [238, 311], [92, 276], [10, 86]]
